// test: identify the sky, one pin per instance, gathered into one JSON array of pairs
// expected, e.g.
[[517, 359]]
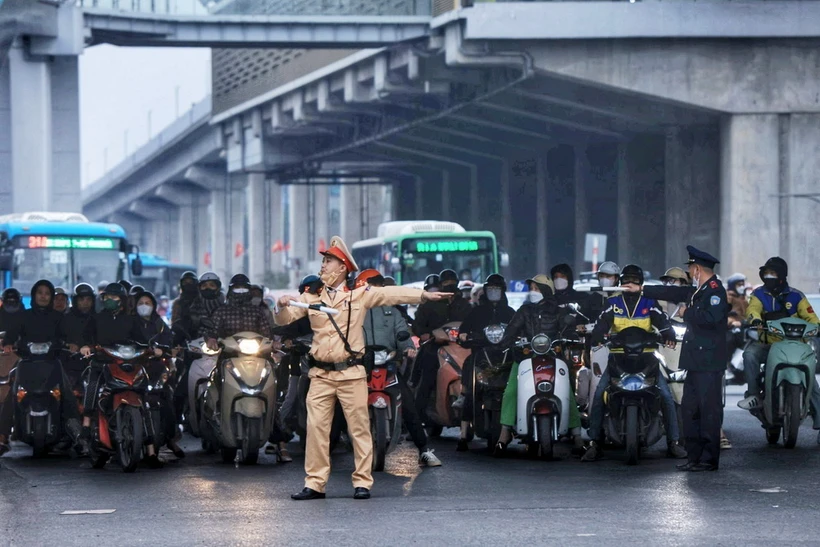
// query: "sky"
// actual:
[[120, 86]]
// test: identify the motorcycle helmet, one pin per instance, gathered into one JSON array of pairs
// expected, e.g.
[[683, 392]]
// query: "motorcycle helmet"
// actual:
[[188, 279], [632, 274], [239, 280], [135, 290], [495, 280], [370, 276], [11, 294], [609, 268], [308, 282], [210, 276], [448, 276], [187, 275], [432, 281], [125, 284], [81, 290], [115, 289], [389, 281]]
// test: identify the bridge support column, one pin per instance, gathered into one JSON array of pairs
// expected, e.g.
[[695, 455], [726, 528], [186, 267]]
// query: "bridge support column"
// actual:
[[220, 237], [258, 244], [298, 239], [277, 223], [237, 226], [321, 217], [692, 192], [641, 205], [352, 212]]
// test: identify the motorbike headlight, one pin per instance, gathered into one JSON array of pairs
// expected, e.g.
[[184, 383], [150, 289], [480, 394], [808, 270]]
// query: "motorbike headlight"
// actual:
[[39, 349], [381, 357], [631, 382], [249, 346], [121, 351], [494, 333], [380, 402], [544, 387], [541, 344]]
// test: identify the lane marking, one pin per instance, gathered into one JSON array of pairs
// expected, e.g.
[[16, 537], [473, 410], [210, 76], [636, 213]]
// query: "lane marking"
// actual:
[[89, 512]]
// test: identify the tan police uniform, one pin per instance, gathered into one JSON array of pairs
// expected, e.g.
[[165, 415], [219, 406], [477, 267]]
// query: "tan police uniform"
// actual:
[[348, 384]]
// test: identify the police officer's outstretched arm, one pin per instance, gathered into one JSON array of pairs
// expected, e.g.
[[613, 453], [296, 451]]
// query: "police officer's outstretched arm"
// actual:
[[668, 293]]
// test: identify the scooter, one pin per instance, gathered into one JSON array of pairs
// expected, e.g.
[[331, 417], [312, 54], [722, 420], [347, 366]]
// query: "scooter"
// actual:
[[491, 370], [198, 374], [589, 377], [239, 402], [157, 397], [451, 357], [121, 424], [384, 404], [788, 378], [38, 388], [632, 400], [543, 395]]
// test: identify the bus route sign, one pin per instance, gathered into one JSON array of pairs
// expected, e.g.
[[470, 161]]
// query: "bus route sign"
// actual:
[[62, 242]]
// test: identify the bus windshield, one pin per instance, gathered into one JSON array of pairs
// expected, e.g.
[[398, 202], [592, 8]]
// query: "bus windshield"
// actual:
[[64, 267], [472, 257]]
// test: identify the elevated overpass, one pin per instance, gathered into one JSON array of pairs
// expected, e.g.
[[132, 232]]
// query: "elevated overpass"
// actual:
[[655, 123]]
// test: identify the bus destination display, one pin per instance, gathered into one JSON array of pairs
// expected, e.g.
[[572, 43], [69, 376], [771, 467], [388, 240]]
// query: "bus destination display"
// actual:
[[61, 242], [447, 245]]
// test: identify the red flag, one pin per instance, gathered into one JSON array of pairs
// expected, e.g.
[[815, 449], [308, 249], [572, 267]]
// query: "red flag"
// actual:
[[239, 251], [277, 247], [287, 247], [207, 259], [322, 246]]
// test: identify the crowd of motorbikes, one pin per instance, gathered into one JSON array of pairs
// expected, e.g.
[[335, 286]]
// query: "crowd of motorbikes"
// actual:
[[235, 392]]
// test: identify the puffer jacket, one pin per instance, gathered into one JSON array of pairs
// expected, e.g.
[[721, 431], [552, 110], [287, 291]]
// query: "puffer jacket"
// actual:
[[486, 314], [545, 317]]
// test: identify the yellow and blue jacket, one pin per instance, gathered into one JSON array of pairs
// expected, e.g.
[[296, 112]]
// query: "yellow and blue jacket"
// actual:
[[644, 313], [765, 306]]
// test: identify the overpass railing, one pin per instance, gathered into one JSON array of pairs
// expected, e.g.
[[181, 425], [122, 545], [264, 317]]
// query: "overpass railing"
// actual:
[[265, 7]]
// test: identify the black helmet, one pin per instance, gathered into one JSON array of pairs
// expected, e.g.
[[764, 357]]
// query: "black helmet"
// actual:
[[495, 280], [448, 276], [187, 275], [389, 281], [239, 280], [11, 294], [81, 290], [135, 290], [115, 289], [432, 280], [307, 282], [778, 265], [632, 273], [125, 284]]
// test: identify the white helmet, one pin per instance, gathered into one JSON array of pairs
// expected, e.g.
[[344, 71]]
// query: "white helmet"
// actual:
[[609, 268]]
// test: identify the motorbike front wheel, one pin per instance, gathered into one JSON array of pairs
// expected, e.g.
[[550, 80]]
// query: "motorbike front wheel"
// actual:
[[379, 426], [791, 419], [250, 441], [632, 449], [544, 426], [129, 442], [38, 435]]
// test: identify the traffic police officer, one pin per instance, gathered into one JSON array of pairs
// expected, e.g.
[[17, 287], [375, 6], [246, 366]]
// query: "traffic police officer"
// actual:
[[703, 356], [336, 369]]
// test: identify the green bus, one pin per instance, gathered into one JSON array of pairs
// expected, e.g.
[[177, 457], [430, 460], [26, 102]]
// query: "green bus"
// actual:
[[411, 250]]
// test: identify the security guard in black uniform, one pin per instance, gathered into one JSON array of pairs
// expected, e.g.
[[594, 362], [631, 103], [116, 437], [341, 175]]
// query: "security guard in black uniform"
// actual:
[[703, 356]]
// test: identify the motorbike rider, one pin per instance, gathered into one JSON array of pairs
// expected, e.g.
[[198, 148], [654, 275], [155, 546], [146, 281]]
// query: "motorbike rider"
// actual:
[[181, 306], [75, 324], [736, 295], [531, 319], [113, 325], [258, 299], [381, 328], [608, 276], [492, 309], [775, 299], [10, 313], [632, 309], [60, 300], [11, 308], [430, 316], [155, 330], [38, 324], [565, 294]]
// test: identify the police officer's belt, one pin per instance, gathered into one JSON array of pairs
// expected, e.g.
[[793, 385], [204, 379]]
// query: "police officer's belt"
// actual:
[[344, 365]]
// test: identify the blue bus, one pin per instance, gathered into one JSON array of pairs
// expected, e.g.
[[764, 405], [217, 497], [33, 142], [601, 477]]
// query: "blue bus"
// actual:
[[65, 248], [160, 275]]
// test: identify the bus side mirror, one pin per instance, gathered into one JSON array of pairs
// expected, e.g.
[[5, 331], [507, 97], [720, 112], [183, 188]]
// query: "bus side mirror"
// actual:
[[503, 259], [136, 264]]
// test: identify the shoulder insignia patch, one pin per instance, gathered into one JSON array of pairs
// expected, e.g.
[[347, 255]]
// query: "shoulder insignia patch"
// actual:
[[810, 309], [644, 311], [788, 305], [713, 284], [715, 300]]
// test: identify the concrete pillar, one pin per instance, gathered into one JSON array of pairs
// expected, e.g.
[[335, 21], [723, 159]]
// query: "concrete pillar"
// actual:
[[351, 212], [692, 192], [582, 174], [523, 199], [220, 236], [277, 224], [65, 139], [258, 246], [31, 131], [299, 253], [446, 203], [201, 233], [418, 191], [321, 215], [641, 206], [505, 236], [750, 173], [237, 227], [6, 200], [560, 162], [541, 212]]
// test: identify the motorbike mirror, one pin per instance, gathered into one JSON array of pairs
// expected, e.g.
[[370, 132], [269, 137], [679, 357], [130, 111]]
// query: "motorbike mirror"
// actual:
[[403, 336]]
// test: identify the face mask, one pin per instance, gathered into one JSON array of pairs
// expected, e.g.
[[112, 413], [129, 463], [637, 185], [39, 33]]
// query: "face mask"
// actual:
[[607, 282], [256, 300], [331, 279], [740, 289], [535, 297], [111, 305], [493, 294], [12, 308], [560, 283], [771, 282], [144, 310], [189, 289], [210, 294], [240, 290]]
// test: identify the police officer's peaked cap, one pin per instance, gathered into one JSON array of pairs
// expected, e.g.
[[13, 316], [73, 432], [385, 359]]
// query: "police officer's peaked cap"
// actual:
[[339, 250], [696, 256]]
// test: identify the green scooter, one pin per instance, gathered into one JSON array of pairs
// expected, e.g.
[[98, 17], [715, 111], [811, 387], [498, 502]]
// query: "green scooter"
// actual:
[[788, 379]]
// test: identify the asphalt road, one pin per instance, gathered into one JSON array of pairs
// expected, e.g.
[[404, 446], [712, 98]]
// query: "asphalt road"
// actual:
[[472, 500]]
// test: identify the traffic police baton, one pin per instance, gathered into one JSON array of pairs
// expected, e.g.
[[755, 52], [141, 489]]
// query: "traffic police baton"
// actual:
[[599, 289], [317, 307]]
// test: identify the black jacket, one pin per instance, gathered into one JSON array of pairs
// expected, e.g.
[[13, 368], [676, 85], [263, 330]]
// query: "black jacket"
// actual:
[[570, 295], [8, 320], [37, 325], [486, 314], [75, 325], [704, 345], [155, 330], [545, 317], [432, 315], [297, 329], [106, 329]]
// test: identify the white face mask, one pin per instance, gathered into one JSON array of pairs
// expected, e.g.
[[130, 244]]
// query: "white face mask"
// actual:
[[769, 276], [606, 282], [493, 294], [560, 283], [144, 310], [240, 290], [740, 289], [535, 297]]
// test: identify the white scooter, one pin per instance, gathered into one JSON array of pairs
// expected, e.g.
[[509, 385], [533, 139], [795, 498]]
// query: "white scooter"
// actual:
[[198, 375], [543, 396]]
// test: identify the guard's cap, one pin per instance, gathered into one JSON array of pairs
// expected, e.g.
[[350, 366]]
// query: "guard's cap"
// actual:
[[339, 250], [696, 256]]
